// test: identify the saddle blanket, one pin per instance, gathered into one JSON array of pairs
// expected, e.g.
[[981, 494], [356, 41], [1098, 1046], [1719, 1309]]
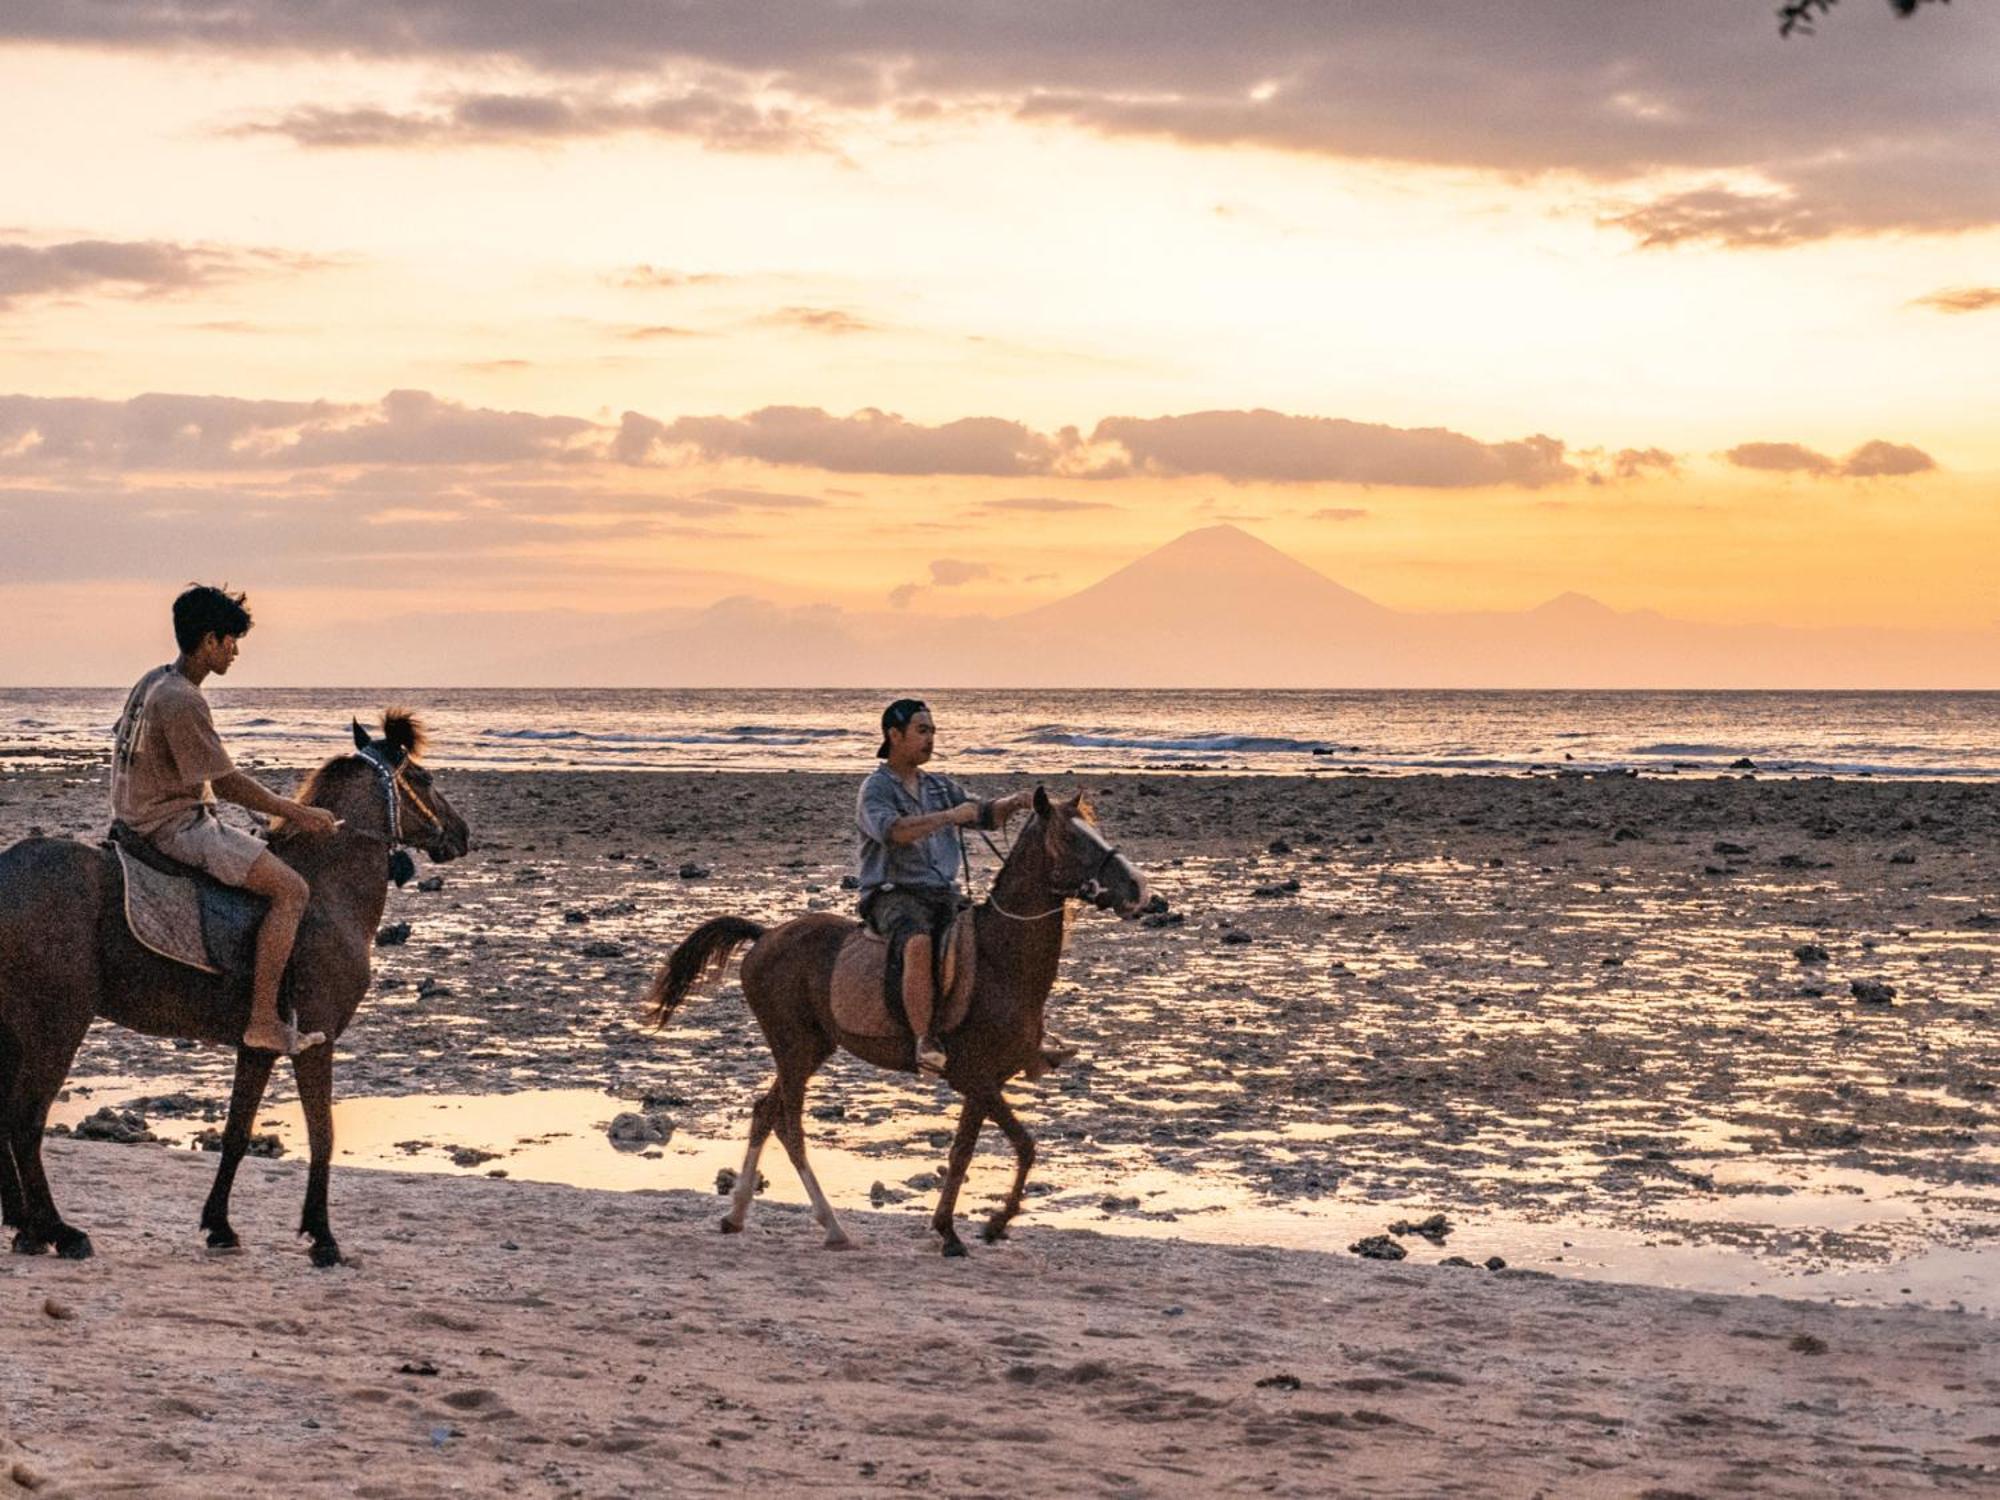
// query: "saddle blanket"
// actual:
[[190, 918], [858, 1006]]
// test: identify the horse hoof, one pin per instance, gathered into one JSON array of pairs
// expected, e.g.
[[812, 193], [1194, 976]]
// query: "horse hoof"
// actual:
[[729, 1226], [223, 1239], [954, 1249], [993, 1234], [74, 1244], [841, 1242], [28, 1244], [325, 1254]]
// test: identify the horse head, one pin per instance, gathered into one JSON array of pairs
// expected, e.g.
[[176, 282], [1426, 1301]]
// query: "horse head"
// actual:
[[1082, 862], [406, 806]]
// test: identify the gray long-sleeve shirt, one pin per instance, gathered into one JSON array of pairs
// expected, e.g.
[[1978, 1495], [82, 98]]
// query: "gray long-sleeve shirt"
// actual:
[[929, 861]]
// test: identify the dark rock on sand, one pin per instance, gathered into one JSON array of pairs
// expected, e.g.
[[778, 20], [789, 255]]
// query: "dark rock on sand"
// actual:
[[1873, 991], [1810, 953], [1435, 1228], [631, 1132], [1495, 1263], [393, 936], [602, 949], [173, 1106], [693, 871], [266, 1144], [1378, 1247], [124, 1127]]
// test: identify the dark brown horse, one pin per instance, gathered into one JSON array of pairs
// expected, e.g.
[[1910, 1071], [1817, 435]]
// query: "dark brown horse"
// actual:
[[66, 957], [1060, 856]]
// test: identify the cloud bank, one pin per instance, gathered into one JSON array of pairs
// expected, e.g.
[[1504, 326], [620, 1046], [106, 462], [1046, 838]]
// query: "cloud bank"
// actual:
[[1876, 459], [131, 267], [1711, 127], [164, 433]]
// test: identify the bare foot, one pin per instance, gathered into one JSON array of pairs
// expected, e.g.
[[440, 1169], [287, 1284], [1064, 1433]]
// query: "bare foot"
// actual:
[[284, 1039], [931, 1061], [1054, 1052]]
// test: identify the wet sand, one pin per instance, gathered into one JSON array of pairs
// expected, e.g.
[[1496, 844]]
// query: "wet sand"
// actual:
[[1572, 1002], [523, 1338]]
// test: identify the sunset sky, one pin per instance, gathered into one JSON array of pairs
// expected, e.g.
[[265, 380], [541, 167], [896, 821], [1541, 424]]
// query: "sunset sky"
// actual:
[[389, 307]]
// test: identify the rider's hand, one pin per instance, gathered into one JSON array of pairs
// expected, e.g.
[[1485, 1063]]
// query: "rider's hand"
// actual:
[[313, 820]]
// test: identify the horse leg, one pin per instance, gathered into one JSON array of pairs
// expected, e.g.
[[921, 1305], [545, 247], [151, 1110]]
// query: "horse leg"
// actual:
[[763, 1118], [33, 1089], [796, 1066], [970, 1117], [13, 1207], [253, 1071], [1024, 1157], [313, 1069]]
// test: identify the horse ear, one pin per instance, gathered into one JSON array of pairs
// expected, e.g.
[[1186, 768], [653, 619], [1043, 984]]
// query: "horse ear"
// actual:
[[1042, 803], [1082, 808], [360, 736]]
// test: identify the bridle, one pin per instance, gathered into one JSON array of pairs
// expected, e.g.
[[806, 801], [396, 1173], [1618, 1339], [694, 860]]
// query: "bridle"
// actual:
[[389, 776], [1088, 888]]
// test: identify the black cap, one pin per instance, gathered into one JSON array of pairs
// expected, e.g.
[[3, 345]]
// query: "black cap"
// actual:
[[897, 716]]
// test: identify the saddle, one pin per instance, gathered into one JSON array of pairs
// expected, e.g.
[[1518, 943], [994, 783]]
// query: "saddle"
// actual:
[[858, 1006], [182, 913]]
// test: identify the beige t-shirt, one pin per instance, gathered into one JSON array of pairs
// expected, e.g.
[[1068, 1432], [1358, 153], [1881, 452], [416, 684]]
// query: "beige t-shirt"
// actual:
[[167, 752]]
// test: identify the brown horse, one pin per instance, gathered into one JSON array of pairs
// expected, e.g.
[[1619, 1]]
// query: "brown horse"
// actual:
[[787, 981], [66, 957]]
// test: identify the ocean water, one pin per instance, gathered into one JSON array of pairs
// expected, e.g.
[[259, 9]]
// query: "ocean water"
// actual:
[[1924, 735]]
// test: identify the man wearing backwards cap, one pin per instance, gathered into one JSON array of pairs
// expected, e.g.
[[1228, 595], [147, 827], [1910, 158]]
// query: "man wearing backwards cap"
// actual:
[[907, 857]]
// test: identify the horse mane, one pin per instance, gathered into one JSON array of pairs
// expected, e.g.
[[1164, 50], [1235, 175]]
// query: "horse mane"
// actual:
[[308, 792], [404, 730]]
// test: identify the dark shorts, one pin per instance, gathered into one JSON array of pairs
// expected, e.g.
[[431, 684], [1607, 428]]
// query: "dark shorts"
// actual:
[[902, 908]]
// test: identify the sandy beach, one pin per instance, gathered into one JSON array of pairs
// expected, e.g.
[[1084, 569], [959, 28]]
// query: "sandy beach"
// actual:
[[520, 1338], [1548, 1007]]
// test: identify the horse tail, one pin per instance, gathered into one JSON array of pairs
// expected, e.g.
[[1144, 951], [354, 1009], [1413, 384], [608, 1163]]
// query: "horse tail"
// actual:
[[703, 954]]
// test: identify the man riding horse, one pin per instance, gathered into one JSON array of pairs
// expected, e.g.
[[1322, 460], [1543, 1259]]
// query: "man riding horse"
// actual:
[[168, 768], [909, 851]]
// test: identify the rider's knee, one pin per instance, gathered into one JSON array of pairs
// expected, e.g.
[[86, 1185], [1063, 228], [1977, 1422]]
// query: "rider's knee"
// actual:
[[290, 892]]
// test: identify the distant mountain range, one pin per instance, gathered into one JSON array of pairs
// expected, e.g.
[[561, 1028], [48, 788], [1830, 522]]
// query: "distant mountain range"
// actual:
[[1213, 608]]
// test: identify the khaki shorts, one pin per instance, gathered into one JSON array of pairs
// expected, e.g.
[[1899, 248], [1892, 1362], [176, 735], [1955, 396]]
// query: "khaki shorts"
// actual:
[[207, 843]]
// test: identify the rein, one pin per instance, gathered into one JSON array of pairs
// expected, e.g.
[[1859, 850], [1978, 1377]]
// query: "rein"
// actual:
[[1110, 853]]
